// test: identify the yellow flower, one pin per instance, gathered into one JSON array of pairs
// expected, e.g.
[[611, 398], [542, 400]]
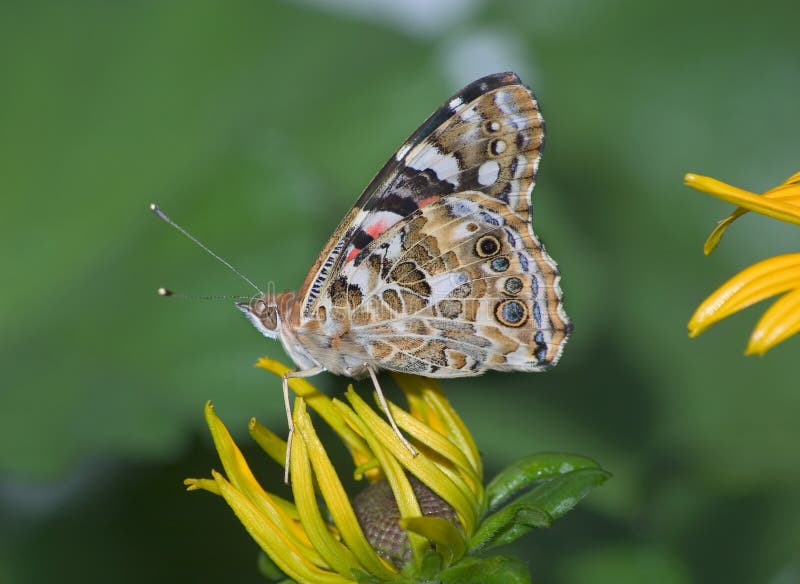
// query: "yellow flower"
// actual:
[[412, 503], [421, 518], [777, 275]]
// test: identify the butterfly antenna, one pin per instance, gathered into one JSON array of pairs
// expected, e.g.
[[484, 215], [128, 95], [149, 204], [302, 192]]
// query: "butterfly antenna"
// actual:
[[167, 292], [164, 217]]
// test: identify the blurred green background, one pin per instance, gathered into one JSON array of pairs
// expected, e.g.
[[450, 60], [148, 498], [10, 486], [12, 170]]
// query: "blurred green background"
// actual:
[[256, 125]]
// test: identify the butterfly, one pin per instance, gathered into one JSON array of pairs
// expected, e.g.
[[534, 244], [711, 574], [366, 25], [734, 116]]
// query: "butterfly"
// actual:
[[436, 270]]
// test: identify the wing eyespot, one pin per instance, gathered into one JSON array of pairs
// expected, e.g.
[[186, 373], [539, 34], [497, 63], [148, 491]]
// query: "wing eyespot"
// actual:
[[497, 147], [512, 313], [487, 246], [492, 126], [500, 264], [513, 286]]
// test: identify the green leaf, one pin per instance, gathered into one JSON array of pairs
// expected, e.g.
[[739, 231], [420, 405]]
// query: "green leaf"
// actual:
[[429, 568], [494, 570], [559, 495], [508, 524], [523, 473], [537, 508]]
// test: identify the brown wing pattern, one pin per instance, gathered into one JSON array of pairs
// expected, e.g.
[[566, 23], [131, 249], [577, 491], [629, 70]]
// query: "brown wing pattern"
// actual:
[[488, 138], [459, 287]]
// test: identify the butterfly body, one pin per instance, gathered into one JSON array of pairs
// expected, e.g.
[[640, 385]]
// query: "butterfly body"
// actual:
[[436, 270]]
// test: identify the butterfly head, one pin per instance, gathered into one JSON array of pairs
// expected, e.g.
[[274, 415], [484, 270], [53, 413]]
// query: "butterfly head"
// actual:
[[262, 311]]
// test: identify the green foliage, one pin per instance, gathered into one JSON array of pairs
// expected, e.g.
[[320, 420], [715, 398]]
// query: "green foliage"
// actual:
[[469, 570], [494, 570], [563, 479], [521, 474], [557, 482]]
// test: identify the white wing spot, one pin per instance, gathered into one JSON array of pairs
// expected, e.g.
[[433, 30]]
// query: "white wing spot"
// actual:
[[507, 107], [443, 284], [521, 166], [360, 278], [470, 115], [462, 207], [444, 165], [402, 152], [520, 121], [502, 97], [455, 103], [488, 173]]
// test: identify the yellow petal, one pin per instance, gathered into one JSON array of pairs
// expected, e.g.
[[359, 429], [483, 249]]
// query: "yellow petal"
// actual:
[[788, 193], [795, 178], [455, 492], [415, 387], [759, 281], [273, 540], [449, 540], [370, 469], [457, 430], [726, 192], [271, 443], [239, 474], [336, 498], [209, 485], [768, 285], [435, 444], [716, 235], [779, 322], [403, 492], [337, 555], [320, 403], [427, 396]]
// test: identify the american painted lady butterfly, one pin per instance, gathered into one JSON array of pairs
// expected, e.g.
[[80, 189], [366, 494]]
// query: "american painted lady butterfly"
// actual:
[[436, 270]]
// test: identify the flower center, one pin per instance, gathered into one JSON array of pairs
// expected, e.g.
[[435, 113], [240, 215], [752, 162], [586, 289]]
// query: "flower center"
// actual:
[[378, 516]]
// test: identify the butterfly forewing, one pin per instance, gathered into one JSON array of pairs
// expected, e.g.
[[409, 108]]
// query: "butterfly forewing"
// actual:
[[487, 137]]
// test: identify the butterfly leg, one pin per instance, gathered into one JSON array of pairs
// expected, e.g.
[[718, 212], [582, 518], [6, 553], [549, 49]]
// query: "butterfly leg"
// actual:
[[286, 376], [385, 407]]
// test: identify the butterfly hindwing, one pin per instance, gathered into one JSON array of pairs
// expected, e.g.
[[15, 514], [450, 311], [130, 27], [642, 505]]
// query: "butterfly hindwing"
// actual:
[[488, 138], [458, 287]]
